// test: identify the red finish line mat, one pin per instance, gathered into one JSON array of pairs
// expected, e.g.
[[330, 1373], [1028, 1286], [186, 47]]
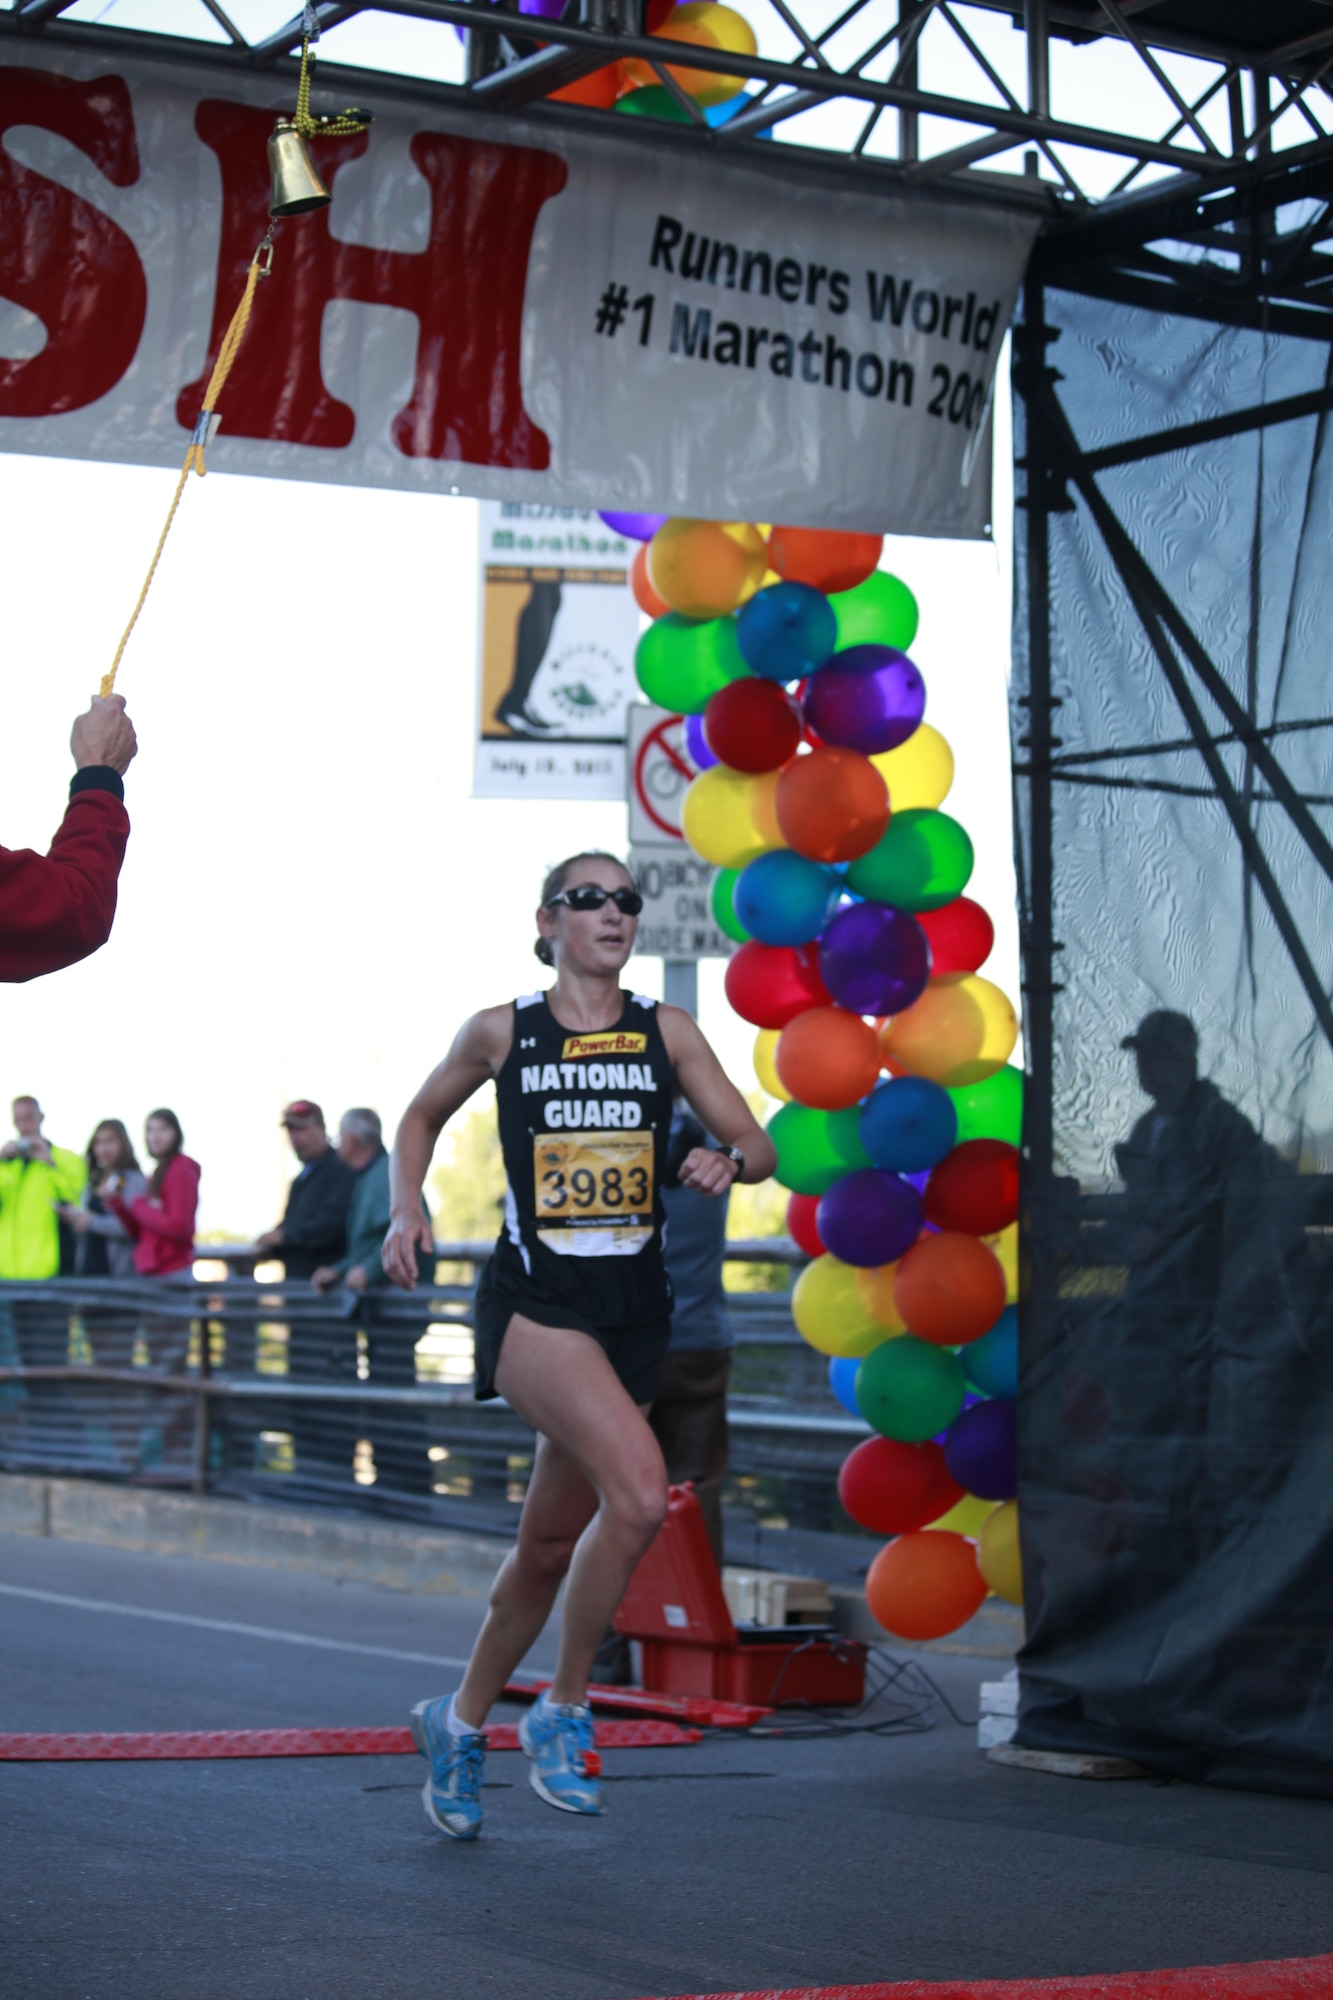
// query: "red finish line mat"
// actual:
[[645, 1734], [1274, 1979]]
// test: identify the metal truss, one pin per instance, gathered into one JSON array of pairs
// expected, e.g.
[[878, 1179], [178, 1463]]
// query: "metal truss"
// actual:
[[971, 95]]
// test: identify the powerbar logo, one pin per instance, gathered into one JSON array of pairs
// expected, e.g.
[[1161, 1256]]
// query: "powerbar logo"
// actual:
[[577, 1046]]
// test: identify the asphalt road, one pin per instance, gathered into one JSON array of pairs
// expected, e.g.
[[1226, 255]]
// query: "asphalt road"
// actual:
[[734, 1863]]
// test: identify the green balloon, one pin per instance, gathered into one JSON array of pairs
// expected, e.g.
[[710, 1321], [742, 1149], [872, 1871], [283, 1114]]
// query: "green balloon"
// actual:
[[991, 1109], [682, 662], [653, 100], [879, 612], [921, 863], [909, 1390], [724, 909], [816, 1148]]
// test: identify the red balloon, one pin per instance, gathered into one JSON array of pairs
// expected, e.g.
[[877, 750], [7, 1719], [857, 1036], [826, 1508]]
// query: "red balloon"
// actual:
[[925, 1585], [961, 936], [832, 805], [770, 984], [892, 1488], [801, 1226], [949, 1288], [824, 557], [752, 725], [974, 1188]]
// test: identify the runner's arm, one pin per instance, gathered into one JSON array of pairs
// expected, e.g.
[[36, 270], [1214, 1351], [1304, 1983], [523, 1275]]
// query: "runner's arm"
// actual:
[[477, 1055], [718, 1105]]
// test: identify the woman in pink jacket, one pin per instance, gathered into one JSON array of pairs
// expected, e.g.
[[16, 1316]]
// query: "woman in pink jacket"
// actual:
[[161, 1222]]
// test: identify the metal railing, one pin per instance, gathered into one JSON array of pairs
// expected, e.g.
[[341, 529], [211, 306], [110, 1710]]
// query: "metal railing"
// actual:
[[232, 1381]]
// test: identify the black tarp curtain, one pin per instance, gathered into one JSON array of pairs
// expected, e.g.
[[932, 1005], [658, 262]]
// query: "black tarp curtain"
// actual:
[[1174, 784]]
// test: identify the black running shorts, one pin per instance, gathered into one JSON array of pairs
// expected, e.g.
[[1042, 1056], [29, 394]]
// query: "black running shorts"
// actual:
[[635, 1352]]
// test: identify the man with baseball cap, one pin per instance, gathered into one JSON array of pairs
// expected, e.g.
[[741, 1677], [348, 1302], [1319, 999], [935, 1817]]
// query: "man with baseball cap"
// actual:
[[313, 1230]]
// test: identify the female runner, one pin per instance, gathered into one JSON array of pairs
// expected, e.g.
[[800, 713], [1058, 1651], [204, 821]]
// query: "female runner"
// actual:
[[573, 1310]]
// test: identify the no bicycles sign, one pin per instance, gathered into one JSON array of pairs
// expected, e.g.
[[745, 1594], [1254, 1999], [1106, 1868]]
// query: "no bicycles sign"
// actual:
[[660, 770]]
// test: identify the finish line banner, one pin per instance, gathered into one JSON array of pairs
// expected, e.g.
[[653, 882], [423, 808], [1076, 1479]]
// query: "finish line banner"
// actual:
[[492, 307]]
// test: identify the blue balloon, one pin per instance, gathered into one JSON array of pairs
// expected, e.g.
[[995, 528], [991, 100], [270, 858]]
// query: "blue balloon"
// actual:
[[787, 631], [781, 898], [908, 1124], [842, 1380], [992, 1362], [635, 527]]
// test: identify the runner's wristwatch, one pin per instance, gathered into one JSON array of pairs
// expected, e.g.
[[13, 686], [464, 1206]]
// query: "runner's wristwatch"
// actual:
[[736, 1156]]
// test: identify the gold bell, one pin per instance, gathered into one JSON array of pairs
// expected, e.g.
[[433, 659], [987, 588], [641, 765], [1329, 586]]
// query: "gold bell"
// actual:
[[297, 187]]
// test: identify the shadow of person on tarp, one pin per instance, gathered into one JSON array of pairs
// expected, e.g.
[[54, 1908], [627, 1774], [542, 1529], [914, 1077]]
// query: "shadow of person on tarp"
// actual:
[[1210, 1326]]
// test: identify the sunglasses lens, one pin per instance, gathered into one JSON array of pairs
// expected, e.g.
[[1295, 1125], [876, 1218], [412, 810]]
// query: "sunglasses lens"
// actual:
[[589, 897]]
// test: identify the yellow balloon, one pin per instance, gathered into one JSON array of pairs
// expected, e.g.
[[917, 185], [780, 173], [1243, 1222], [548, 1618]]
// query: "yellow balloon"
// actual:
[[704, 25], [999, 1557], [1005, 1246], [919, 772], [765, 1042], [729, 817], [966, 1517], [962, 1028], [876, 1290], [706, 569], [829, 1312]]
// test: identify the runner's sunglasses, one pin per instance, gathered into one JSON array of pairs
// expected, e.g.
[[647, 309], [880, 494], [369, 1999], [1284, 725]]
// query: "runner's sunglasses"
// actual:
[[589, 897]]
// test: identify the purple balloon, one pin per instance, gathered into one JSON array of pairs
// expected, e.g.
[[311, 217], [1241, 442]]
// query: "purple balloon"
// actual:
[[869, 698], [874, 960], [869, 1217], [981, 1448], [696, 744], [637, 527]]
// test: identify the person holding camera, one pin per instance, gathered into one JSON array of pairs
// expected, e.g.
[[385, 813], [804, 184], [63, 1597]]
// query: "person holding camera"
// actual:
[[36, 1180]]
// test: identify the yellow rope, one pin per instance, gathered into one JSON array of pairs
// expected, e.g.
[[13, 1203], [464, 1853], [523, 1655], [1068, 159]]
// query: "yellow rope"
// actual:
[[309, 126], [194, 456]]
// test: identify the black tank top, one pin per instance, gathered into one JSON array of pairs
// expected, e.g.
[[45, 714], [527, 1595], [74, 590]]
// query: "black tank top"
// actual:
[[584, 1124]]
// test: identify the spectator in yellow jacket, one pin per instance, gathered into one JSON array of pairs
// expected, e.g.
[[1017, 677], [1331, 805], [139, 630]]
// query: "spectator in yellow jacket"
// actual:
[[35, 1177]]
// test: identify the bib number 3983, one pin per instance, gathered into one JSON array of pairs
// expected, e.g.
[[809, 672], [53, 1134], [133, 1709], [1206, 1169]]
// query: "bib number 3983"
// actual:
[[594, 1196]]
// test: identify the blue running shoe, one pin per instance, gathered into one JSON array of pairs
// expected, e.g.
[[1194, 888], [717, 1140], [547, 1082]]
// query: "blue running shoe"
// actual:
[[565, 1767], [452, 1792]]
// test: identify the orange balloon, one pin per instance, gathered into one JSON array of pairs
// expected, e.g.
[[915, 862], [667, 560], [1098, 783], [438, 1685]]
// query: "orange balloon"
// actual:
[[645, 596], [963, 1028], [705, 569], [925, 1585], [828, 1058], [823, 557], [949, 1289], [832, 805], [601, 89]]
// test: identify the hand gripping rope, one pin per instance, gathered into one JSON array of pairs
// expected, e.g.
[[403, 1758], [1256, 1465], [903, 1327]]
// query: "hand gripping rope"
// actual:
[[309, 126]]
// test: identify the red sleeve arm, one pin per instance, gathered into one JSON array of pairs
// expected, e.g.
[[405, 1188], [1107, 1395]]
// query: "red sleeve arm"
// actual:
[[180, 1203], [57, 908]]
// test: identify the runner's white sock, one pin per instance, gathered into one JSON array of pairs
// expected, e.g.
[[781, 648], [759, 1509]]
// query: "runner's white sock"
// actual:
[[454, 1722]]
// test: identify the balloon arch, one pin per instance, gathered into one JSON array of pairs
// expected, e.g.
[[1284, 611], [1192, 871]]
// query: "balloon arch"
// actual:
[[819, 801]]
